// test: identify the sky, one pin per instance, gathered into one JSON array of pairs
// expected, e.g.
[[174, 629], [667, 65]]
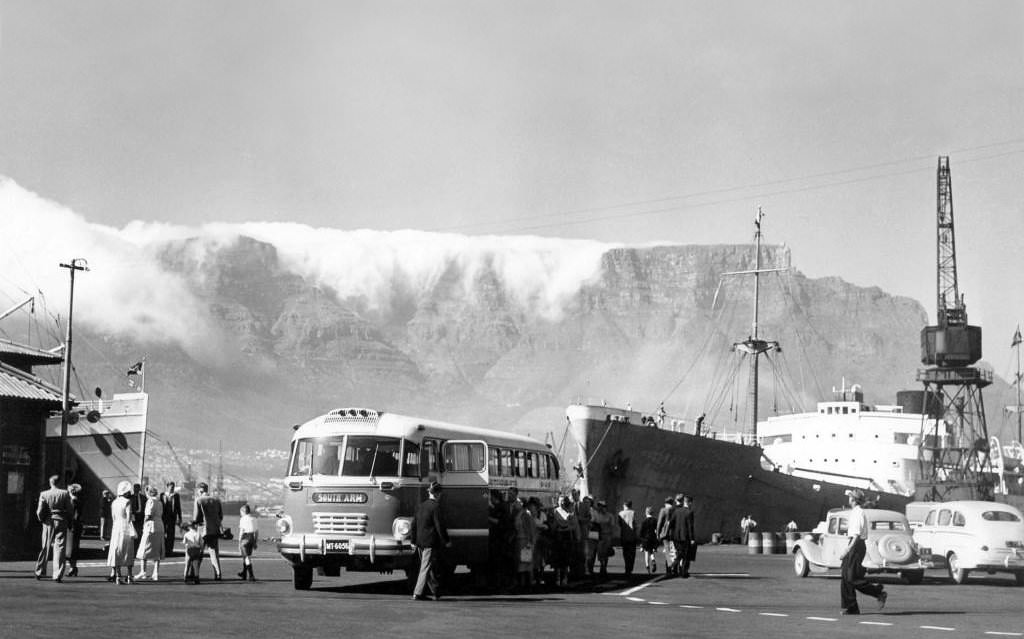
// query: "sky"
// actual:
[[511, 125]]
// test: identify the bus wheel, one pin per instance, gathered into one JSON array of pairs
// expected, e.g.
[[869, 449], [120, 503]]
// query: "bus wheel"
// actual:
[[302, 577]]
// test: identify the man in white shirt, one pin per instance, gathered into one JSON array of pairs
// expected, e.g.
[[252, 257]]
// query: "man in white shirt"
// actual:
[[853, 572]]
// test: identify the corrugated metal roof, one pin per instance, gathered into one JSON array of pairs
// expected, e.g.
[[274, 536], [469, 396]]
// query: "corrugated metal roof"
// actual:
[[19, 384], [39, 356]]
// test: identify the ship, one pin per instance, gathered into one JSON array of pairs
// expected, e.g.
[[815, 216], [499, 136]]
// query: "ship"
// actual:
[[646, 457], [106, 442]]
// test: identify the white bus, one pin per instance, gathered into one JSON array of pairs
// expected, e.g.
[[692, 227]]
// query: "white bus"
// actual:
[[356, 476]]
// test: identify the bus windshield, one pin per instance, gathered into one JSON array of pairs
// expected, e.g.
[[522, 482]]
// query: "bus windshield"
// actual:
[[346, 456]]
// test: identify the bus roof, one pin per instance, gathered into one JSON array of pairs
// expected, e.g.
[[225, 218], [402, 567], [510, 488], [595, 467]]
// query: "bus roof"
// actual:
[[368, 421]]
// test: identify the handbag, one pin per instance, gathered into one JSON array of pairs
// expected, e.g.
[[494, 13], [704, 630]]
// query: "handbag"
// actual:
[[225, 533], [526, 554]]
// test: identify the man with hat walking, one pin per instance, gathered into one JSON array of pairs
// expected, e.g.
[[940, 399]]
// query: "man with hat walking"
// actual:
[[430, 536], [54, 512], [853, 572]]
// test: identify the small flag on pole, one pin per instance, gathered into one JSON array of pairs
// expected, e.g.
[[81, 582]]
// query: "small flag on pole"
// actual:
[[136, 369], [1016, 338]]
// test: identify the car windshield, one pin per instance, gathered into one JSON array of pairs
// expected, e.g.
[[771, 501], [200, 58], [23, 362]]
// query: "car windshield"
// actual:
[[359, 456]]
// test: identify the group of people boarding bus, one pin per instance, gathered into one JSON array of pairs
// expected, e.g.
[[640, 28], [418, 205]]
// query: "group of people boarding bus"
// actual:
[[357, 478]]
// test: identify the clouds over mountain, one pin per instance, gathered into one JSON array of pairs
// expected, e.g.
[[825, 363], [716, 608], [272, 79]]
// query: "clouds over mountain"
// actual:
[[132, 290]]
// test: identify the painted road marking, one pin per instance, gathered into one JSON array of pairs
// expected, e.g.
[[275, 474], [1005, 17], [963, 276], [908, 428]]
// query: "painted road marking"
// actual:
[[876, 623], [658, 603], [772, 614], [937, 628], [626, 593], [728, 610], [822, 618], [691, 607], [1005, 634]]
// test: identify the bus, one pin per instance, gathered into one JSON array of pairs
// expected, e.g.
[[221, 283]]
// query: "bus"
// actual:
[[356, 476]]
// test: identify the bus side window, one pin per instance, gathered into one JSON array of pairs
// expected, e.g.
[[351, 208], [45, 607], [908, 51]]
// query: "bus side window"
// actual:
[[520, 463], [555, 469], [506, 463], [531, 465], [428, 457], [494, 462]]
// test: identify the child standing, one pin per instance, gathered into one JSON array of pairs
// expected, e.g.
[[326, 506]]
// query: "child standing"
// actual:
[[248, 532], [649, 540], [193, 543]]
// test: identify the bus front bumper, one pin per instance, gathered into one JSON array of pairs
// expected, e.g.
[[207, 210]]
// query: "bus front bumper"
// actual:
[[369, 547]]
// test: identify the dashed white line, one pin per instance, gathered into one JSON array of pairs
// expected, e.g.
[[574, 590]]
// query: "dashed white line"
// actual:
[[876, 623], [658, 603], [822, 618], [947, 629], [773, 614], [635, 599], [728, 609], [1005, 634], [691, 607]]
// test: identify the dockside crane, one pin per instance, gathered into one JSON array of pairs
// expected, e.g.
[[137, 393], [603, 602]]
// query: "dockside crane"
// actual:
[[954, 450]]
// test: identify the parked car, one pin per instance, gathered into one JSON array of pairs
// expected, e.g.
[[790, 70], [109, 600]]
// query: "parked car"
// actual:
[[890, 546], [972, 535]]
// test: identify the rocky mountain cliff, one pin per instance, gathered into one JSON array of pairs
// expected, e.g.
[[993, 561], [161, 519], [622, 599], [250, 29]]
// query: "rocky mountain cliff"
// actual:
[[654, 324]]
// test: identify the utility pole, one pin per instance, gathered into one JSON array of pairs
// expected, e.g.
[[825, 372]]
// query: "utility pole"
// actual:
[[77, 264]]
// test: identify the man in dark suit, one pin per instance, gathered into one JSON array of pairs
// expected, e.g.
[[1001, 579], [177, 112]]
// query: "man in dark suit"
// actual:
[[208, 512], [54, 512], [172, 516], [430, 536], [683, 537]]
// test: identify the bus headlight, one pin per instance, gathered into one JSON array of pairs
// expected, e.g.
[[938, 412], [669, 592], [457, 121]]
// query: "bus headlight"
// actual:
[[284, 525], [401, 527]]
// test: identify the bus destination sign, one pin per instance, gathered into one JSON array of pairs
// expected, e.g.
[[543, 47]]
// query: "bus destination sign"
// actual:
[[339, 498]]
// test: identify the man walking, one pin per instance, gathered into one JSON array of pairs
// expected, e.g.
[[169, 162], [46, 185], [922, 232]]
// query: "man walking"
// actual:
[[54, 512], [172, 516], [208, 512], [429, 535], [683, 537], [853, 572]]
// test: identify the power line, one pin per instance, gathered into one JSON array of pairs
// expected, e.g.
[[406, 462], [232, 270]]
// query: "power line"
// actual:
[[682, 205]]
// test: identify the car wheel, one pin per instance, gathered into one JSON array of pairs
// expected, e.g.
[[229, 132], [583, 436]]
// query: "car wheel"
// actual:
[[800, 564], [912, 577], [956, 572], [302, 577]]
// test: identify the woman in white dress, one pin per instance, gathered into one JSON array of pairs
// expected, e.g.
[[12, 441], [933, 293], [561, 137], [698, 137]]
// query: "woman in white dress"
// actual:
[[122, 535], [151, 544]]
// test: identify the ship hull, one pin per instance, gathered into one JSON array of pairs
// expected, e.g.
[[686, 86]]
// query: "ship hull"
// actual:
[[624, 460]]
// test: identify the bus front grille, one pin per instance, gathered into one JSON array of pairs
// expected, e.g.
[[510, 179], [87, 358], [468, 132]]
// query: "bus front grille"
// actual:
[[344, 523]]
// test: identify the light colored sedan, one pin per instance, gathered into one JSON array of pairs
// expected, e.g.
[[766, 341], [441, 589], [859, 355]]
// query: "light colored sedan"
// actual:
[[890, 546], [971, 535]]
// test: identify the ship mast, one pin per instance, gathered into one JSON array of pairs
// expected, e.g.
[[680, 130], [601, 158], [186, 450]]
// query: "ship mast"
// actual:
[[754, 345]]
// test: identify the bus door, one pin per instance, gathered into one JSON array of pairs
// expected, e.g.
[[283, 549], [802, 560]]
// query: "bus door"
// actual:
[[465, 499]]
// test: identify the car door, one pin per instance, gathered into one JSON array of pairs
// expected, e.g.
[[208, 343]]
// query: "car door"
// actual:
[[924, 535], [834, 542]]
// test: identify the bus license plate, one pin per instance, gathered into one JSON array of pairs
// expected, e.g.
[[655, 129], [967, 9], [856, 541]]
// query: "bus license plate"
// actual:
[[337, 545]]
